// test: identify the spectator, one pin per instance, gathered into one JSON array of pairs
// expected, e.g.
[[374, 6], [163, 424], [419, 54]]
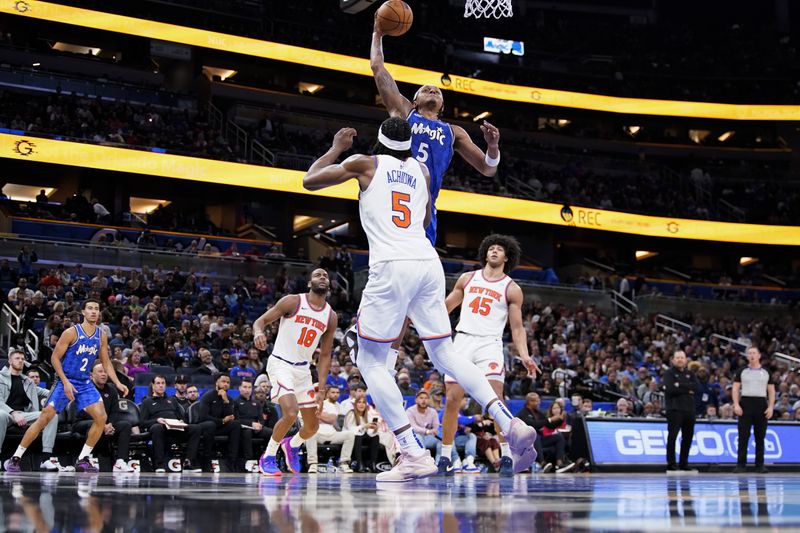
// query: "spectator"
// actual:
[[20, 292], [335, 378], [216, 416], [42, 198], [418, 373], [156, 413], [204, 362], [20, 404], [328, 432], [425, 423], [623, 409], [404, 384], [363, 421], [180, 396], [115, 429], [241, 370], [26, 258], [134, 365], [248, 410], [357, 391], [34, 376], [554, 443]]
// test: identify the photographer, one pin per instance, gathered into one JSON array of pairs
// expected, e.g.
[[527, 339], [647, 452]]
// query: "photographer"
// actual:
[[680, 385]]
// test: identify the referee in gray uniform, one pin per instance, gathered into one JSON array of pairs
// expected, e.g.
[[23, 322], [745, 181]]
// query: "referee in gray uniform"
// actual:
[[754, 408]]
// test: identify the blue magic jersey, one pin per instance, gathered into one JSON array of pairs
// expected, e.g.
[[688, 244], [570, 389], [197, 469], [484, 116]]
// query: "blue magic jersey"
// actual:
[[80, 355], [432, 144]]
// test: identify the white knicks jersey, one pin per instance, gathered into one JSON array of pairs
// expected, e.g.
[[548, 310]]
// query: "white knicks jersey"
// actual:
[[393, 211], [484, 310], [299, 334]]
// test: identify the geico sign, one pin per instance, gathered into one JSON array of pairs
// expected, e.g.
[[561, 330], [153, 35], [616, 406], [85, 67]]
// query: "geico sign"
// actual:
[[638, 442]]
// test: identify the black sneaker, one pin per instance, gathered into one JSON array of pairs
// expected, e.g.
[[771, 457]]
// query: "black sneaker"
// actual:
[[351, 341], [672, 468], [445, 467], [84, 464], [546, 469], [740, 470], [189, 466], [506, 467], [12, 465], [762, 470]]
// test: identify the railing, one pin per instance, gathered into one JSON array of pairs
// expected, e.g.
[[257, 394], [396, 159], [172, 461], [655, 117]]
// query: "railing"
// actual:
[[731, 341], [344, 282], [31, 345], [293, 161], [233, 133], [261, 154], [623, 303], [671, 324], [731, 210], [11, 325]]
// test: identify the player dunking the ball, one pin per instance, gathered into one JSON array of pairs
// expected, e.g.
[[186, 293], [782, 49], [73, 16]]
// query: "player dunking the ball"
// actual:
[[307, 320], [433, 141], [73, 359], [405, 279], [488, 298]]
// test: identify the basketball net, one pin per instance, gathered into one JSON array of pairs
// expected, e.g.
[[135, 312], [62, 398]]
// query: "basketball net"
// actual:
[[488, 9]]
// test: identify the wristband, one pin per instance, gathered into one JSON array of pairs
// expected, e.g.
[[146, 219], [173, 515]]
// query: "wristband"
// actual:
[[490, 161]]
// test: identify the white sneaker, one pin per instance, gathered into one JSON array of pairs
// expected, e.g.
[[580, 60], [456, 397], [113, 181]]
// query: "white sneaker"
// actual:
[[344, 468], [565, 468], [458, 465], [161, 470], [409, 467], [312, 469], [469, 466], [52, 465], [122, 466], [520, 439]]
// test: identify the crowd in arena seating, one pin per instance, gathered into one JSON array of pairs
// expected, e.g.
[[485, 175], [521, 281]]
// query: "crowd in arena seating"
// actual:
[[194, 333]]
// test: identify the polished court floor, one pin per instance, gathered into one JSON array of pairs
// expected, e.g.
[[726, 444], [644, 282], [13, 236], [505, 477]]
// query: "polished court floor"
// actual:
[[355, 503]]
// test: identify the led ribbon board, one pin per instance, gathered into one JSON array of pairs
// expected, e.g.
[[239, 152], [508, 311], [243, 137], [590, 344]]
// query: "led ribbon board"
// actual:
[[277, 179], [355, 65]]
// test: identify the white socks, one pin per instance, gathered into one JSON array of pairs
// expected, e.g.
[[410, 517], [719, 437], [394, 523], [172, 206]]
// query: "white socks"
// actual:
[[20, 451], [86, 451], [409, 443], [296, 441], [447, 450], [505, 450], [501, 415], [272, 448]]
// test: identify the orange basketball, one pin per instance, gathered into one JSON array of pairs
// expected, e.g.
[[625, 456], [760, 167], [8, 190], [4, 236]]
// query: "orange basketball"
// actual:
[[394, 17]]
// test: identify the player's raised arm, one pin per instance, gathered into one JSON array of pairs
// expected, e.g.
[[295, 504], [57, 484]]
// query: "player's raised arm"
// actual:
[[396, 104], [485, 163], [64, 341], [518, 334], [285, 307], [324, 172], [456, 296]]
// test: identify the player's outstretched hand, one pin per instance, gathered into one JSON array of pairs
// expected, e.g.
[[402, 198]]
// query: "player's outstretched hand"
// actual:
[[490, 133], [260, 341], [123, 390], [343, 139], [531, 366]]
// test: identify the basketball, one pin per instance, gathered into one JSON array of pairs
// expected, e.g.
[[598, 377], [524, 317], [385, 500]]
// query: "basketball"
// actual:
[[394, 17]]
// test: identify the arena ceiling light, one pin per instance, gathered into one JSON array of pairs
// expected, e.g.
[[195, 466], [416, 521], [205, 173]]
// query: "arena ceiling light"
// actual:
[[223, 73], [310, 88], [25, 193], [641, 255], [725, 136], [146, 205], [698, 136], [632, 130], [76, 49], [745, 261], [481, 116]]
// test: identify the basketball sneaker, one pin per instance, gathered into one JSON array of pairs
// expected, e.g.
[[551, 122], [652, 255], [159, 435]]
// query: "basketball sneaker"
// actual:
[[52, 465], [84, 464], [12, 465], [469, 466], [121, 466], [351, 341], [268, 466], [445, 467], [520, 439], [292, 456], [409, 467], [506, 467]]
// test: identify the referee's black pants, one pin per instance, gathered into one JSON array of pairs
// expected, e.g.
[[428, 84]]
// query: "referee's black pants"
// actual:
[[752, 415], [682, 421]]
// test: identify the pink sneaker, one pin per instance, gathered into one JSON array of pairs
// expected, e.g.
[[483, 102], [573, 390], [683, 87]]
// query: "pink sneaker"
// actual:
[[409, 467], [520, 439]]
